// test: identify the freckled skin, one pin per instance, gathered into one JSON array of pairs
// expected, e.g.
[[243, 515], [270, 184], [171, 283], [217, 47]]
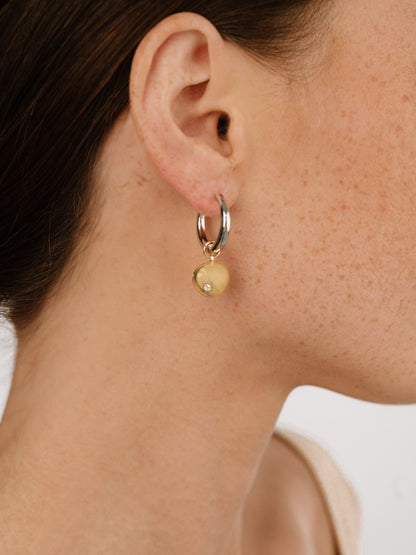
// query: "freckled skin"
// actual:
[[338, 284], [150, 404]]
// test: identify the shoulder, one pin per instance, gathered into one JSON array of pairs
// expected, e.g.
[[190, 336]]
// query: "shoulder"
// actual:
[[286, 510], [336, 490]]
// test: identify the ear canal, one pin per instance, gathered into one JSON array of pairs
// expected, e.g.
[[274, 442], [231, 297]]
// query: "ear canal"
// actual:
[[223, 126]]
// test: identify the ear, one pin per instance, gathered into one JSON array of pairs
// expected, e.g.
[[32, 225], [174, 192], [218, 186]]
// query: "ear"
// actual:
[[182, 104]]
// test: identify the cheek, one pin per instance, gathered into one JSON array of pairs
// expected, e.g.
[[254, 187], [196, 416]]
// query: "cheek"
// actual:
[[332, 256]]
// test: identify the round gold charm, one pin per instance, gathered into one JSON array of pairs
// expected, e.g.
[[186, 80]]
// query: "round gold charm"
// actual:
[[211, 279]]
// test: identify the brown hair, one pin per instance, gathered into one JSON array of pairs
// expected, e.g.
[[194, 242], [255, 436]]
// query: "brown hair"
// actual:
[[64, 77]]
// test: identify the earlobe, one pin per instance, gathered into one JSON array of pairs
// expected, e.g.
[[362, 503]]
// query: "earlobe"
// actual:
[[181, 104]]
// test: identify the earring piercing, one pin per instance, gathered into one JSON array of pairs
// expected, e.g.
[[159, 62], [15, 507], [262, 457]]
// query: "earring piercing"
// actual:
[[211, 279]]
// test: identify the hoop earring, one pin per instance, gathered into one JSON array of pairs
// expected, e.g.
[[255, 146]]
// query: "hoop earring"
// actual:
[[211, 279]]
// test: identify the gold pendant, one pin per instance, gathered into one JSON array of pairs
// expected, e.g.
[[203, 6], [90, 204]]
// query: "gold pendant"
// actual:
[[211, 279]]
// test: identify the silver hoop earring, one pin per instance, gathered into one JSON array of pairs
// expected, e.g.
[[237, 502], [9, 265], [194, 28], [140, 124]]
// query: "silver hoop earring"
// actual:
[[211, 279]]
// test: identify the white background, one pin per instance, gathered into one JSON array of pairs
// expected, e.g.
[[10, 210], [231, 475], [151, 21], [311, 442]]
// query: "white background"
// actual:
[[374, 445]]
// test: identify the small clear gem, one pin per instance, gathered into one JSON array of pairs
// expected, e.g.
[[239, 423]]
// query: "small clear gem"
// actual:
[[207, 287]]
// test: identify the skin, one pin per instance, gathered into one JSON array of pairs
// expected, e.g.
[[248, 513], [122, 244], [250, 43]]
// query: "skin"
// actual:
[[141, 413]]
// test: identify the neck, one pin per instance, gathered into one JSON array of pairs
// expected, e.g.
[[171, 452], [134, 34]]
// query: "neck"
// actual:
[[147, 439]]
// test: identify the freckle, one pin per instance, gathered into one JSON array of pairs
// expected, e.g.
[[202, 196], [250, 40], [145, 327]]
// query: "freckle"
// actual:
[[405, 98], [291, 245], [258, 281], [343, 113], [344, 206], [260, 267], [374, 79], [341, 278], [272, 205], [284, 254], [341, 182]]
